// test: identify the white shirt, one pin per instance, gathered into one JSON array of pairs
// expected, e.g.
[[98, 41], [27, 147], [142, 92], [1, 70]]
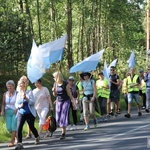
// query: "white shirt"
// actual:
[[10, 101], [41, 98]]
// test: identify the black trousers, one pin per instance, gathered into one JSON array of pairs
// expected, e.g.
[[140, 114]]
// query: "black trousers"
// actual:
[[20, 122], [74, 114], [102, 103]]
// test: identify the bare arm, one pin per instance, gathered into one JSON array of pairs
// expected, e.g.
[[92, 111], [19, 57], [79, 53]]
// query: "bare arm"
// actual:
[[69, 92], [50, 101], [95, 91]]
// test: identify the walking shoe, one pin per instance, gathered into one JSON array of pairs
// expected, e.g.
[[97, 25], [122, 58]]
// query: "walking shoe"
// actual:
[[87, 127], [101, 119], [19, 146], [37, 140], [127, 115], [139, 114], [95, 123], [111, 113], [143, 107], [147, 110], [119, 112], [62, 136], [105, 119], [74, 127], [68, 127]]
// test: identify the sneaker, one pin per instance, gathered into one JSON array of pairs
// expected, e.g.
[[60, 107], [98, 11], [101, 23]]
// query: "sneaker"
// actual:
[[81, 122], [111, 113], [47, 135], [68, 127], [127, 115], [147, 110], [101, 119], [139, 114], [105, 119], [95, 123], [29, 136], [87, 127], [74, 127], [143, 107], [119, 112], [19, 146], [62, 136], [37, 140]]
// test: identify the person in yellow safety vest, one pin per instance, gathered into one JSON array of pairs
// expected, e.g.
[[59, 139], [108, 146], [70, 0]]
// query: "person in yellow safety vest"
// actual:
[[103, 93], [125, 90], [78, 83], [142, 91], [133, 83]]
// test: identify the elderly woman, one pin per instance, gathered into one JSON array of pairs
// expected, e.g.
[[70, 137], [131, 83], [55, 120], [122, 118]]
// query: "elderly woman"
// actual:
[[9, 110], [26, 112], [63, 97], [42, 103], [89, 92]]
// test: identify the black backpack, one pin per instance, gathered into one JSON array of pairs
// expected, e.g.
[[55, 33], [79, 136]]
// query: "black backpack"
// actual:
[[52, 125]]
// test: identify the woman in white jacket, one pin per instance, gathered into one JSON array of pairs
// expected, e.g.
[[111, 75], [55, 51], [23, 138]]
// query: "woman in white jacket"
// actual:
[[26, 112]]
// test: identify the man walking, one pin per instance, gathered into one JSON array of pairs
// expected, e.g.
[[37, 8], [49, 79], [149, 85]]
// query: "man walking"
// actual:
[[133, 83]]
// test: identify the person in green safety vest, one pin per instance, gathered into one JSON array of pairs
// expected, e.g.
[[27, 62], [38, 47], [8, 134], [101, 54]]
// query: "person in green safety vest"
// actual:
[[142, 91], [103, 93], [133, 83], [125, 89]]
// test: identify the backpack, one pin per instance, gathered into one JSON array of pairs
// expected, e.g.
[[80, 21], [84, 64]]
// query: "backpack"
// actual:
[[52, 125]]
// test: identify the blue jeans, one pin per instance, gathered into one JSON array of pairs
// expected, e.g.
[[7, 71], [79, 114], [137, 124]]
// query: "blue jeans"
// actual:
[[132, 96], [147, 98]]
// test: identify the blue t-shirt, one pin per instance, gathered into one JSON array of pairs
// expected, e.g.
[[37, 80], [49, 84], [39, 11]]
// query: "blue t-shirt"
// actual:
[[88, 87], [25, 109]]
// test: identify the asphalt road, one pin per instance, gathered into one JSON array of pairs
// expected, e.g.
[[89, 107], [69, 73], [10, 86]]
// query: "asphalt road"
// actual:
[[118, 133]]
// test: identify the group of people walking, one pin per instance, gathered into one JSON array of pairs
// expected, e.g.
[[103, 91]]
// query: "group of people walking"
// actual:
[[21, 105]]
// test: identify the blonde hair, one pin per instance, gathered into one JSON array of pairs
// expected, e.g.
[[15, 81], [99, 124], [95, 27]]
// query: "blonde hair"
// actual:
[[24, 80], [58, 76]]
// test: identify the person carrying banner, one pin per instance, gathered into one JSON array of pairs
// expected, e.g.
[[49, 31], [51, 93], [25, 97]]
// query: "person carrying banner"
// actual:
[[63, 94]]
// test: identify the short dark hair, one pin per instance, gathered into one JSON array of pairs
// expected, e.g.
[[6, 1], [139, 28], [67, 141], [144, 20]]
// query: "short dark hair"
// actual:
[[113, 67], [39, 80]]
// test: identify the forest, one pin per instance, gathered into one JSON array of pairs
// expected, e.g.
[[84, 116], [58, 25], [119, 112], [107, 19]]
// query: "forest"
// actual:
[[118, 26]]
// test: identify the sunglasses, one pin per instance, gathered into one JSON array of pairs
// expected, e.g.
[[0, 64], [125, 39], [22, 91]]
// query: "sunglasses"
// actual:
[[148, 69], [112, 69]]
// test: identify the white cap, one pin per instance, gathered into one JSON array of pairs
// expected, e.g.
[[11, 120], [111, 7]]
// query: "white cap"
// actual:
[[71, 78]]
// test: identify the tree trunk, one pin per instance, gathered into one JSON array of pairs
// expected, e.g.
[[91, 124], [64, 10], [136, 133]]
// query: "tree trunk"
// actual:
[[39, 25], [69, 33]]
